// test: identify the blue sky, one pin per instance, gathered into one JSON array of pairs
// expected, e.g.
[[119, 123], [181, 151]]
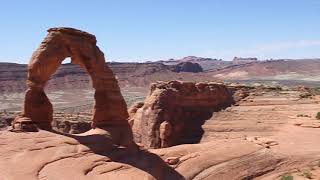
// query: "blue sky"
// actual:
[[140, 30]]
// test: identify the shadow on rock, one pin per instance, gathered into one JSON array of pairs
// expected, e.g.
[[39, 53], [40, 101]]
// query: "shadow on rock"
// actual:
[[102, 144]]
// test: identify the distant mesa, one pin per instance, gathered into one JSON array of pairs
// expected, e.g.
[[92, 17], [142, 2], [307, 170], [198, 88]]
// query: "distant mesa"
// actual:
[[195, 58], [187, 67], [188, 59], [245, 60]]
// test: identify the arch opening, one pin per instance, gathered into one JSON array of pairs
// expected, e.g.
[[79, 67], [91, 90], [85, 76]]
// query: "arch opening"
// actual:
[[72, 96], [61, 43]]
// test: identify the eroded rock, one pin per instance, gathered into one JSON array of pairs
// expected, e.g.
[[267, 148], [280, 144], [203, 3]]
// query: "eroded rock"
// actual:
[[110, 107], [184, 106], [60, 43]]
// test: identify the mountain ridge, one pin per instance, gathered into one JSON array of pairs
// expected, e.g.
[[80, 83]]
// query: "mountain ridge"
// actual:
[[141, 74]]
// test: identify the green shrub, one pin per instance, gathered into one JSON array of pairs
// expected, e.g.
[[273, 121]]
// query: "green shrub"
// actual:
[[287, 177], [307, 174], [318, 115]]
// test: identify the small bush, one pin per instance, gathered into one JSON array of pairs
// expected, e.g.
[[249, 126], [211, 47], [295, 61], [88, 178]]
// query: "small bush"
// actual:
[[303, 115], [307, 174], [316, 91], [318, 115], [287, 177], [305, 95]]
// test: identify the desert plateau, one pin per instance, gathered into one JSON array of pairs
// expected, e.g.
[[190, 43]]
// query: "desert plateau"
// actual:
[[195, 104]]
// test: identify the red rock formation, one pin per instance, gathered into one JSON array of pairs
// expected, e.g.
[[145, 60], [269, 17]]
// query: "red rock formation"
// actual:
[[185, 105], [110, 107]]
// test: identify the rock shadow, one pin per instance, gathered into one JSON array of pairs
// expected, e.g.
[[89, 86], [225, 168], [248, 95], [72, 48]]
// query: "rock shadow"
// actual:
[[104, 145], [189, 128]]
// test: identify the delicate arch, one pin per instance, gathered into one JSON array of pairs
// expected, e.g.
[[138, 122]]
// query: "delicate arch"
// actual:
[[60, 43]]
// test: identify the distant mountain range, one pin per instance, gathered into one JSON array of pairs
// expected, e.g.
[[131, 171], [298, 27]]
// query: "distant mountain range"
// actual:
[[191, 68]]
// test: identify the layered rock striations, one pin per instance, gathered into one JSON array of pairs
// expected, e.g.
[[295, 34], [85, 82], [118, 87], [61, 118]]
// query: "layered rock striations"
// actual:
[[174, 111]]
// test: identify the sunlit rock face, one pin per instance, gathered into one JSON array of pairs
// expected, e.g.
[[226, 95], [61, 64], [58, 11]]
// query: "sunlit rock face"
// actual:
[[60, 43]]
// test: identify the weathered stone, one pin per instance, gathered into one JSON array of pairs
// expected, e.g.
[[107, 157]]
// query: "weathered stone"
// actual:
[[183, 105], [132, 110], [110, 108], [23, 124], [172, 160]]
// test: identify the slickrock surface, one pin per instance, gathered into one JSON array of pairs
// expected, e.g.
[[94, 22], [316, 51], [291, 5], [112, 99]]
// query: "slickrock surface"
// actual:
[[262, 137], [92, 156], [45, 155], [262, 113]]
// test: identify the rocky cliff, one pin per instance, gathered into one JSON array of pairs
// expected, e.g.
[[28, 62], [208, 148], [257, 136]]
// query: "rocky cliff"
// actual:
[[182, 106]]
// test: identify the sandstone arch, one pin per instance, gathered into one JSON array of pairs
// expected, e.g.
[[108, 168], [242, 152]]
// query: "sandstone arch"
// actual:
[[60, 43]]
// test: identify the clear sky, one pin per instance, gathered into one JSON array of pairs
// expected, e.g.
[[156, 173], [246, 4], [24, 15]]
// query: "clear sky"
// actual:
[[140, 30]]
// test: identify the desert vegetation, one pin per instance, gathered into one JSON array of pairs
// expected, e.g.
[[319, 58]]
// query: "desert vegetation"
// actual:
[[286, 177], [318, 115]]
